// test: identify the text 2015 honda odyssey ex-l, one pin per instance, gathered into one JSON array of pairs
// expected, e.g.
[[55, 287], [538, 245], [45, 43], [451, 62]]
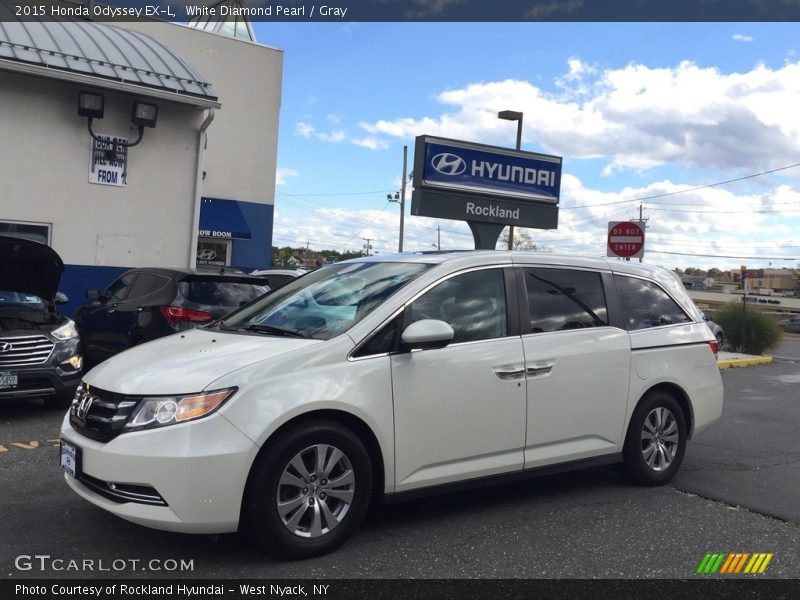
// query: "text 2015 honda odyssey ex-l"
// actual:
[[388, 376]]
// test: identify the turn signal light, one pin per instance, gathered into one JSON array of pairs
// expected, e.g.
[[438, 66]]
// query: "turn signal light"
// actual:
[[176, 314]]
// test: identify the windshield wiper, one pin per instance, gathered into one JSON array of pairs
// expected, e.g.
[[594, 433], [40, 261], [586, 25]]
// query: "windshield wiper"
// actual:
[[277, 330]]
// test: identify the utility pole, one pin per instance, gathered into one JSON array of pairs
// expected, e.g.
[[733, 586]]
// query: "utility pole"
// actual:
[[367, 246], [438, 238], [644, 226], [403, 198]]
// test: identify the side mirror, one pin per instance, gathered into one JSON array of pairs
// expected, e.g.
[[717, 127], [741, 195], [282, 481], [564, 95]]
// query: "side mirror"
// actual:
[[93, 295], [61, 298], [428, 334]]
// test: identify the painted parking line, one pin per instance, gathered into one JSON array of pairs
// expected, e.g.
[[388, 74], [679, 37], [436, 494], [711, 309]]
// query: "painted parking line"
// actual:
[[30, 445]]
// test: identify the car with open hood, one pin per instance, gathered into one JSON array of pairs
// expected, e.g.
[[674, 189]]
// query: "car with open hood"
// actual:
[[39, 347], [387, 377]]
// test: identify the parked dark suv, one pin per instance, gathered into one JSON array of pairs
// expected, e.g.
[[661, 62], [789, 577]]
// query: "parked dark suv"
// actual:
[[144, 304], [39, 349]]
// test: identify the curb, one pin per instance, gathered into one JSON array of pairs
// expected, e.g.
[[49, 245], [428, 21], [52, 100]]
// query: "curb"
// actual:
[[750, 361]]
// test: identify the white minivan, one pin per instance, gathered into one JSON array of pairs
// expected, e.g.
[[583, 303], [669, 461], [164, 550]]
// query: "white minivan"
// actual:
[[386, 377]]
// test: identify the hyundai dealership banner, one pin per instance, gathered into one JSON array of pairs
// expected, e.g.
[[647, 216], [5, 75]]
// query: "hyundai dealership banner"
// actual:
[[474, 182]]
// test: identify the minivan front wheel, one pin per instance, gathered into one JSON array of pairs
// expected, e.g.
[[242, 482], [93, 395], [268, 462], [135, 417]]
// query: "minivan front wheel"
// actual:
[[309, 490], [656, 440]]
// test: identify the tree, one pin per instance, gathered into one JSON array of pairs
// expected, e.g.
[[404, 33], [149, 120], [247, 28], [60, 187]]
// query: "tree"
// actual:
[[678, 271], [522, 240], [714, 272]]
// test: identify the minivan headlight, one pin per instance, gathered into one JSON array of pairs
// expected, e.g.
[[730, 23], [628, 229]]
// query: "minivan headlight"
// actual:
[[66, 332], [159, 411]]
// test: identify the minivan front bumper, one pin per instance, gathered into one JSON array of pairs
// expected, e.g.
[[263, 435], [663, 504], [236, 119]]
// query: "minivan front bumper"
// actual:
[[199, 469]]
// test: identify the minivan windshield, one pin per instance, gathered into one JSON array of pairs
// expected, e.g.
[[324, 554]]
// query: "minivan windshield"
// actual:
[[325, 302]]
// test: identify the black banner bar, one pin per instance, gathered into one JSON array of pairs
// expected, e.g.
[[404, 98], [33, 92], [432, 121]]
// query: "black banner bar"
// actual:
[[704, 587], [339, 11]]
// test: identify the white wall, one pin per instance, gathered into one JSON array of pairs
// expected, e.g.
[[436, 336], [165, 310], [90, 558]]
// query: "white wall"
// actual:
[[241, 158], [44, 170]]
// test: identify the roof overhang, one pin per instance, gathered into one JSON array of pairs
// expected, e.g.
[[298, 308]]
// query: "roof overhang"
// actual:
[[108, 84]]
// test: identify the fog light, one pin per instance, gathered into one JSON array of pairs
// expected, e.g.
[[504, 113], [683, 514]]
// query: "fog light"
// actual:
[[74, 362]]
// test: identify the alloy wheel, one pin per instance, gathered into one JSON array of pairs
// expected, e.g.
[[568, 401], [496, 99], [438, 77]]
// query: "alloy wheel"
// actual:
[[315, 491], [660, 438]]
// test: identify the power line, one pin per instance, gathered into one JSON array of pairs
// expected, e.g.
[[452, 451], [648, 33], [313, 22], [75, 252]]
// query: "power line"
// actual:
[[686, 191], [784, 258]]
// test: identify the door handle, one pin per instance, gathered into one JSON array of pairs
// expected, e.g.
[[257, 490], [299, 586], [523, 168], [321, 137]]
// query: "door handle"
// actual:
[[540, 368], [509, 372]]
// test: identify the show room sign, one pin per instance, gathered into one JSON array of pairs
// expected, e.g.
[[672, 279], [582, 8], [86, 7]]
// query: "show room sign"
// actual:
[[475, 182], [109, 161]]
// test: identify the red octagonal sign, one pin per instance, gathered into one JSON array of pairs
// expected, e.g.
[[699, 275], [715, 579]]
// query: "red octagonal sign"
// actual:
[[625, 239]]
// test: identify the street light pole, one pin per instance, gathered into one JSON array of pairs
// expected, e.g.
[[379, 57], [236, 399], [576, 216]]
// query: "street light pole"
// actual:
[[512, 115]]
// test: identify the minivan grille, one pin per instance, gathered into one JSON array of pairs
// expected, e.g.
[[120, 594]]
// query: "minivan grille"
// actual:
[[99, 414], [23, 351]]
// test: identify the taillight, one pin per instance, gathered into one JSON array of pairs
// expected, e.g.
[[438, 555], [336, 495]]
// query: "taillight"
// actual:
[[176, 314], [714, 347]]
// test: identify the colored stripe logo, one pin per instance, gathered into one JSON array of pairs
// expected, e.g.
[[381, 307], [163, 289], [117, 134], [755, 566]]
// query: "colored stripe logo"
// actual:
[[734, 563]]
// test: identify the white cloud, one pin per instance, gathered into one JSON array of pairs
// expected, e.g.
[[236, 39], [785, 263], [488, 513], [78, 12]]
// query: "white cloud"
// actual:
[[304, 129], [334, 118], [283, 173], [636, 117], [334, 136], [371, 143], [738, 37]]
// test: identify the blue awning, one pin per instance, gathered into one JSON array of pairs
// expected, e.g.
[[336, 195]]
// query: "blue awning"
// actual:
[[222, 219]]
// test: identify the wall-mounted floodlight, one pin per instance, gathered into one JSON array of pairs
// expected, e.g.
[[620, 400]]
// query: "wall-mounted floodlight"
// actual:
[[90, 105], [144, 114]]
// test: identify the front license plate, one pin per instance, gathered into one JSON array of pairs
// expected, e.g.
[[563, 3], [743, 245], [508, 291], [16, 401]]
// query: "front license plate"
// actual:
[[8, 380], [69, 458]]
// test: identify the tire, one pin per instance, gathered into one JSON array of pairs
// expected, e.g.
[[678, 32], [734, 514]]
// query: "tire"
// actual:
[[720, 339], [292, 509], [656, 440]]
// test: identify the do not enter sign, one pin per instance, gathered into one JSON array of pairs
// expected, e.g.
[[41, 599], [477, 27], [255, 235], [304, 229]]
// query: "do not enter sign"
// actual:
[[626, 239]]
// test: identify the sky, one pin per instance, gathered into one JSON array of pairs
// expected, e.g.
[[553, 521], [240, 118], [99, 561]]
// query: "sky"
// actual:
[[680, 118]]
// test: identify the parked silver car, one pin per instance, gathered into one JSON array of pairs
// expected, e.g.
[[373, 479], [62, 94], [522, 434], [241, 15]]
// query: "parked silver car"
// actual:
[[715, 328]]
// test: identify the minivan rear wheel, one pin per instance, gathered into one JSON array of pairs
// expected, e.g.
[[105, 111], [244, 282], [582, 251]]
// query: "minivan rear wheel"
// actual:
[[309, 489], [656, 440]]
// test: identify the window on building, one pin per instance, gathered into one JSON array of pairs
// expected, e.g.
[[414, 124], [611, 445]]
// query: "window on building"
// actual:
[[38, 232], [560, 299], [212, 252]]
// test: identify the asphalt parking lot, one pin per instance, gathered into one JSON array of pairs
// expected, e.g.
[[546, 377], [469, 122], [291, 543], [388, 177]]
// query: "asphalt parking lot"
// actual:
[[738, 491]]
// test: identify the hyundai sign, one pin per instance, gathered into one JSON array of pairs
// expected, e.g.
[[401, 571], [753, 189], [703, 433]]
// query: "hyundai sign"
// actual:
[[474, 182]]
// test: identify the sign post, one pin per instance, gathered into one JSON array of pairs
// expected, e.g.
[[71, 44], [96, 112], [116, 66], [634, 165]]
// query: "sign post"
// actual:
[[625, 239]]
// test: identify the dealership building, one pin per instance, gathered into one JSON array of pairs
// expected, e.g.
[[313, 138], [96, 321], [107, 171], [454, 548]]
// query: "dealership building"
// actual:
[[138, 144]]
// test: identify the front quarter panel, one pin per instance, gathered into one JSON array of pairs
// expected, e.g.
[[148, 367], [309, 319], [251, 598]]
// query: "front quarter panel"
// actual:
[[321, 378]]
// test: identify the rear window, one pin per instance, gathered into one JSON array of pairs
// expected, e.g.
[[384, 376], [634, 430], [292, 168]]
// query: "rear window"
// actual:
[[221, 292], [646, 305]]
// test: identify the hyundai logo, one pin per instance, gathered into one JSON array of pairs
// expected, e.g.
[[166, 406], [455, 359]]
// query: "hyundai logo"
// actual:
[[84, 406], [206, 254], [5, 347], [449, 164]]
